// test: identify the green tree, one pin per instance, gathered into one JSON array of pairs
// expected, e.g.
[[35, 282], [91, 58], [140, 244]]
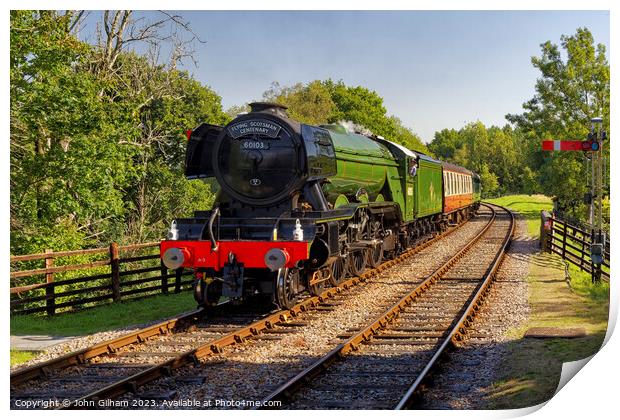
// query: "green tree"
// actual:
[[56, 115], [97, 134], [235, 110], [445, 144], [310, 103], [407, 137], [320, 102], [361, 106], [163, 103], [496, 152], [489, 182], [569, 93]]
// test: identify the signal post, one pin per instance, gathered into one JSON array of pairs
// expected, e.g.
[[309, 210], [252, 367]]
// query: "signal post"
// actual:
[[593, 147]]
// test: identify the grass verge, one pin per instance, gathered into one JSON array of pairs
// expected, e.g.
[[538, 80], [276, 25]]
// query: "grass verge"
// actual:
[[530, 372], [105, 317], [529, 206]]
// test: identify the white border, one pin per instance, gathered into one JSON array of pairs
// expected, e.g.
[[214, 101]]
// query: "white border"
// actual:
[[592, 394]]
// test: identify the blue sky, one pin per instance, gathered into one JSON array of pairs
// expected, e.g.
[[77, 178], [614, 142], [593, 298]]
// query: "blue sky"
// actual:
[[434, 70]]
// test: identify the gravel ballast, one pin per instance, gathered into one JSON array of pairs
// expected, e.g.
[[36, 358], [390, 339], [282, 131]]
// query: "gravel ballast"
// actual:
[[472, 367], [251, 371]]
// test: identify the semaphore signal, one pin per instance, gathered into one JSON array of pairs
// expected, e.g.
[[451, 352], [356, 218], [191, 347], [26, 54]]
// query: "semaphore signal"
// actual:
[[561, 145], [589, 145], [593, 147]]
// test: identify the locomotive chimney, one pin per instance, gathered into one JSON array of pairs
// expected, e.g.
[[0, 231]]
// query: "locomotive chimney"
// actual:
[[269, 107]]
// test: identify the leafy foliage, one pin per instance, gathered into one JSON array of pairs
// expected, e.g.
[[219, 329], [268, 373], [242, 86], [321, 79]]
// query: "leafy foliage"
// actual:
[[494, 153], [568, 94], [97, 144], [320, 102], [97, 148], [311, 103]]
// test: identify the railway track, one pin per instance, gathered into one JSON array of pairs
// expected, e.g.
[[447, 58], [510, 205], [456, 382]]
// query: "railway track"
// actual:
[[125, 364], [385, 363]]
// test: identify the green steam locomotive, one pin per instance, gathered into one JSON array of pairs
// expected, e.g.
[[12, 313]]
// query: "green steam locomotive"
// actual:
[[301, 207]]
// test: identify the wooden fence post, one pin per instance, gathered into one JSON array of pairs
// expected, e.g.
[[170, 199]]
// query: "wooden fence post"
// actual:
[[583, 252], [541, 233], [164, 275], [50, 302], [115, 272], [546, 234], [177, 284], [564, 241]]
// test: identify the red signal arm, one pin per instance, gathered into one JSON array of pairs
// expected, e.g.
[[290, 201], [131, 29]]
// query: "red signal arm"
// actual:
[[562, 145]]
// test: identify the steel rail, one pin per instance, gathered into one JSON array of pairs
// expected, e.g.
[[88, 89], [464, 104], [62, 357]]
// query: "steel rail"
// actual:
[[287, 389], [81, 356], [132, 383], [459, 330]]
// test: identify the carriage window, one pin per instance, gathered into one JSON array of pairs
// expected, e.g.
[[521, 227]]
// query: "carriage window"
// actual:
[[456, 184], [453, 183]]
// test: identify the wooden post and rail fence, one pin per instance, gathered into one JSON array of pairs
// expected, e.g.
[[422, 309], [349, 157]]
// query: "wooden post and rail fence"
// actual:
[[572, 243], [38, 290], [117, 273]]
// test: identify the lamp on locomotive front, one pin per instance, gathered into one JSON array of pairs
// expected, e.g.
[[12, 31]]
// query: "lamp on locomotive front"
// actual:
[[173, 233], [276, 258], [174, 258]]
